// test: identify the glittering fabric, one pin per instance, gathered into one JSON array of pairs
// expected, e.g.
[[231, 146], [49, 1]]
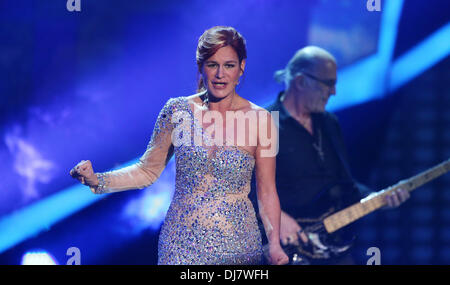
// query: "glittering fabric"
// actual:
[[210, 219]]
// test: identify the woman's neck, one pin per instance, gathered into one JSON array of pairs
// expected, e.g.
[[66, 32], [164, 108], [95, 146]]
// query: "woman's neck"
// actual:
[[223, 104]]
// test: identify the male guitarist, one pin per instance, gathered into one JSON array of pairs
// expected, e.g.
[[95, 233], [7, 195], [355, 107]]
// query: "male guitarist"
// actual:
[[312, 174]]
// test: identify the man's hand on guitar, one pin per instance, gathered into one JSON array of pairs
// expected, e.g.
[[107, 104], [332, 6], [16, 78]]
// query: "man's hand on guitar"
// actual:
[[396, 198], [290, 231]]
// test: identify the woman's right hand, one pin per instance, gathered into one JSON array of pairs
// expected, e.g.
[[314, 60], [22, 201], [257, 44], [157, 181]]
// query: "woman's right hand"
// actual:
[[277, 256], [84, 172]]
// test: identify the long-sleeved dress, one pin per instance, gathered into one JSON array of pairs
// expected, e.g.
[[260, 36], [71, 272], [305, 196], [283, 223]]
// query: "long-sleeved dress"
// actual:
[[210, 219]]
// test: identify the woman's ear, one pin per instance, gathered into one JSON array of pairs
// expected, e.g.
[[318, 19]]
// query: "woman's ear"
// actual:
[[242, 66]]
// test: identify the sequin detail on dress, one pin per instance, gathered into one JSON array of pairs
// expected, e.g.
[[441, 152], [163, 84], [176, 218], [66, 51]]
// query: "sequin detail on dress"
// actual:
[[210, 220]]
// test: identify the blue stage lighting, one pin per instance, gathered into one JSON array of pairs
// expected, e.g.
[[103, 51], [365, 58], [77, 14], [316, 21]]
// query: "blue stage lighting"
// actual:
[[427, 53]]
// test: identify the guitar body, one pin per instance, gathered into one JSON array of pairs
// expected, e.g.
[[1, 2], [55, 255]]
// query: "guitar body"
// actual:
[[322, 247]]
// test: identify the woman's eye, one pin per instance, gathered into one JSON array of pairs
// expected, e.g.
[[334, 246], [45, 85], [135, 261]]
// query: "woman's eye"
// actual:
[[211, 65], [229, 65]]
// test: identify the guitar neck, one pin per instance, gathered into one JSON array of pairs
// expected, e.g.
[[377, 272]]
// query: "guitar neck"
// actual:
[[375, 201]]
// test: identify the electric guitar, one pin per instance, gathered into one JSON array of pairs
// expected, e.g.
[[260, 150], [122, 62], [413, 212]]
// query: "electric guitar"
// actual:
[[321, 231]]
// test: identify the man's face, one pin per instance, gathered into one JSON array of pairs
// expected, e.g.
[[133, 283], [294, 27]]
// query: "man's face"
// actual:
[[320, 86]]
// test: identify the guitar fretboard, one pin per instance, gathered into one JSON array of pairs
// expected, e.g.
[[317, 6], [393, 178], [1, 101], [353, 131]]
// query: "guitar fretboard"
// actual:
[[374, 202]]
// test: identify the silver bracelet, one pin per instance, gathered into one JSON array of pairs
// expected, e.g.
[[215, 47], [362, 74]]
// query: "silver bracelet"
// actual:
[[102, 184]]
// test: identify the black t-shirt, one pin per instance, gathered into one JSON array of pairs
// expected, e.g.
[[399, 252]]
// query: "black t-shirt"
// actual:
[[305, 178]]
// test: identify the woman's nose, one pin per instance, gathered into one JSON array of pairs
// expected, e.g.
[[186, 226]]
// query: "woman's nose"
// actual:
[[219, 72]]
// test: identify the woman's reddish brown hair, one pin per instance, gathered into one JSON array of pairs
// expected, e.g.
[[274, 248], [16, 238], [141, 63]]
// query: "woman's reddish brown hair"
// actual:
[[212, 40]]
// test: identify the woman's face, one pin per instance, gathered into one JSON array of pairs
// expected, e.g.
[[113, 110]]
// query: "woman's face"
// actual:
[[221, 72]]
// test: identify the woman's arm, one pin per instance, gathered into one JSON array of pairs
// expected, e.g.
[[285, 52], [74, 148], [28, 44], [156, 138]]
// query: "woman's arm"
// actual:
[[141, 174], [268, 202]]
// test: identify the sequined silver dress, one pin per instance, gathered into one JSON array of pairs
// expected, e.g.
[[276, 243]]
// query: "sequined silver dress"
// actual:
[[210, 219]]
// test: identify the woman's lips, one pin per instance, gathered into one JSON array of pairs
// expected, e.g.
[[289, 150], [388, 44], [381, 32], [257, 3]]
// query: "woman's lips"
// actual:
[[219, 85]]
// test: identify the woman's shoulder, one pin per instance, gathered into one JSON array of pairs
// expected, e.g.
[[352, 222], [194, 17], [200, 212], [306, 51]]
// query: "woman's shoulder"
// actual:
[[176, 104], [246, 105], [176, 100], [194, 97], [263, 116]]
